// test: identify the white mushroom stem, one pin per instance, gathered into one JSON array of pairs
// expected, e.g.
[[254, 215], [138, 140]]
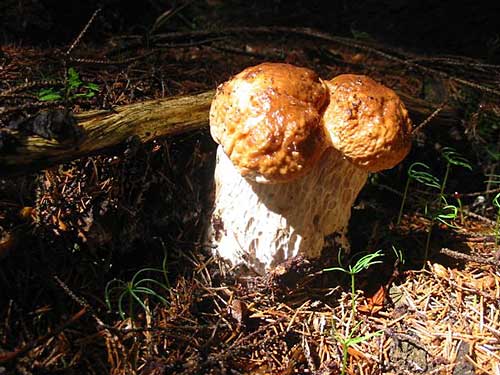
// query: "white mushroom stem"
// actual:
[[262, 225]]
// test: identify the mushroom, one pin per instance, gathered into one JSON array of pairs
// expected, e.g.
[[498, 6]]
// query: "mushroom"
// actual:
[[294, 152]]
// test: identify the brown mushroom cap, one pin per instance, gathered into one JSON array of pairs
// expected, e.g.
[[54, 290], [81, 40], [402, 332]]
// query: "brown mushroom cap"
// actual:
[[268, 119], [367, 122]]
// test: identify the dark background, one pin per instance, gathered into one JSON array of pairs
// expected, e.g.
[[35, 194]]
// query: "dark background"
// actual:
[[469, 28]]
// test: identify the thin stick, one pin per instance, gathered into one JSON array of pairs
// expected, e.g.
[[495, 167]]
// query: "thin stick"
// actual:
[[477, 193], [79, 300], [429, 118], [10, 356], [82, 33], [469, 258]]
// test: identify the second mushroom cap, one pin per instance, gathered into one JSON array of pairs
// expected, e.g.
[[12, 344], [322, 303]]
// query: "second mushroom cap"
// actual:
[[367, 122]]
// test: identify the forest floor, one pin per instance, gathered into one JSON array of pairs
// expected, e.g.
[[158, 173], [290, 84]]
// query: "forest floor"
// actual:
[[102, 264]]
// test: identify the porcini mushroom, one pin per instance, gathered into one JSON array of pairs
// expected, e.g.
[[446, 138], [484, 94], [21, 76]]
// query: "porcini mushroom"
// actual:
[[294, 152]]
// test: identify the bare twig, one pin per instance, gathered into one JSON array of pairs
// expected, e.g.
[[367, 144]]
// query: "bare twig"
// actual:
[[478, 193], [82, 33], [10, 356], [30, 85], [479, 217], [429, 118], [455, 61], [111, 62], [79, 300], [469, 258]]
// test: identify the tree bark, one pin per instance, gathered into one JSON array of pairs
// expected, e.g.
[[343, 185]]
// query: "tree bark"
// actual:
[[101, 129]]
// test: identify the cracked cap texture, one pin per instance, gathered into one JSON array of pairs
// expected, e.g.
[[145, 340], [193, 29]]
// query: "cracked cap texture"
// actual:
[[268, 120], [367, 122]]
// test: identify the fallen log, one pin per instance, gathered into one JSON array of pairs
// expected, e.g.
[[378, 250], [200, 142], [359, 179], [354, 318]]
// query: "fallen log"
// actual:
[[101, 129]]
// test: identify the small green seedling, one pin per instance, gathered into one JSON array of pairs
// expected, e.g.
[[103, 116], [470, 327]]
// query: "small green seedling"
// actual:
[[399, 255], [347, 342], [362, 264], [74, 88], [458, 197], [495, 179], [418, 172], [445, 214], [129, 293], [49, 95], [452, 157], [496, 203]]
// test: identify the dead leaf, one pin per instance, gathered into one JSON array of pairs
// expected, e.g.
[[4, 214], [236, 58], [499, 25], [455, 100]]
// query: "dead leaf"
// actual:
[[375, 303], [62, 225], [26, 212]]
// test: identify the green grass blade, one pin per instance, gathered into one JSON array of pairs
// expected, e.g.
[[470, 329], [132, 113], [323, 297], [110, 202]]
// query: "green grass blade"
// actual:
[[357, 340], [120, 304]]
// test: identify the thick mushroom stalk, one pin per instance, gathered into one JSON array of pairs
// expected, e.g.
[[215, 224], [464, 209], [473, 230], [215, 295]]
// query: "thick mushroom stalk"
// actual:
[[281, 186], [262, 225]]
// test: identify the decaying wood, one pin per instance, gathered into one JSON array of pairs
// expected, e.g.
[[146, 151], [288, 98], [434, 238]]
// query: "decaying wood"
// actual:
[[101, 129]]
